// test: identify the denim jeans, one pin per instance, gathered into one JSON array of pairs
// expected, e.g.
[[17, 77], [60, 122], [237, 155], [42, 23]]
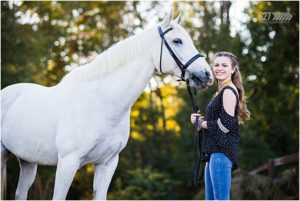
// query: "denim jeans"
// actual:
[[218, 177]]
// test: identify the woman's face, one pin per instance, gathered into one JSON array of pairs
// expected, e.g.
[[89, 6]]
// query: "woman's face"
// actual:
[[222, 68]]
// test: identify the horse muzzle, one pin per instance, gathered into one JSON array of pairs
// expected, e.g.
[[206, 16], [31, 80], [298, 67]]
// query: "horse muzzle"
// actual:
[[200, 80]]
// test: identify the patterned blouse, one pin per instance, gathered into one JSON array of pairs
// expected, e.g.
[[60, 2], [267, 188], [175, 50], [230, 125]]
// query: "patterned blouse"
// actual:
[[222, 134]]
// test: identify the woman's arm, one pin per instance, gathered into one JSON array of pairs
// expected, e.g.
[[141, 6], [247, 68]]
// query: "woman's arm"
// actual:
[[229, 102]]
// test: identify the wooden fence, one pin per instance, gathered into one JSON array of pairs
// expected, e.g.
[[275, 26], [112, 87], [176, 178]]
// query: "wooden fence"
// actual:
[[284, 160]]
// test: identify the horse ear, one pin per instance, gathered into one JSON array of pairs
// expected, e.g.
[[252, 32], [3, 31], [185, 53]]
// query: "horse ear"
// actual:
[[178, 19], [166, 22]]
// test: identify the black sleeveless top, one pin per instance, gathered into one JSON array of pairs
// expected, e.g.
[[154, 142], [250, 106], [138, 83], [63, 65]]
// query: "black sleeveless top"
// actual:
[[222, 134]]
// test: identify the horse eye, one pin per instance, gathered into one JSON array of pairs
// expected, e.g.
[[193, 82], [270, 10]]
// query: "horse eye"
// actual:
[[177, 41]]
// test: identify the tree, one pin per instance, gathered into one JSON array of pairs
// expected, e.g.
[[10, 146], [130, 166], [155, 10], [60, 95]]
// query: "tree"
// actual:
[[272, 59]]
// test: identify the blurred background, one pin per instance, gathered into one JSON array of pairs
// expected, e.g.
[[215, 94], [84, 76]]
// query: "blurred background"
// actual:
[[42, 41]]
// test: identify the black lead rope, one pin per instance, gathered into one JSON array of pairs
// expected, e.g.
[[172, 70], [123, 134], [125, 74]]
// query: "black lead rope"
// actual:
[[199, 134], [198, 140]]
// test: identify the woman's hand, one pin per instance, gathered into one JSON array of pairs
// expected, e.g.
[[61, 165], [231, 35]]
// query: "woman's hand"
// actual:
[[195, 115], [204, 124]]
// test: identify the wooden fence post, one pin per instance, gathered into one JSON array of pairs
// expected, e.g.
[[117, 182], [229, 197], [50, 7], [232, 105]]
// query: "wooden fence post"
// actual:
[[270, 168]]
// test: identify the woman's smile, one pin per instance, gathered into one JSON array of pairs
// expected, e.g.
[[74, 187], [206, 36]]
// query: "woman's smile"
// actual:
[[219, 72]]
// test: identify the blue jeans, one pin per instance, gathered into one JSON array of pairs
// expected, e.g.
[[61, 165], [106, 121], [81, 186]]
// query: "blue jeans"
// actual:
[[218, 177]]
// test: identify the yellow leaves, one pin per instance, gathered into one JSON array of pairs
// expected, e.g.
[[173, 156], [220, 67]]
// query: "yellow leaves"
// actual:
[[172, 104], [90, 169], [137, 136], [155, 112], [51, 65], [168, 90], [150, 127], [160, 123], [142, 102], [173, 126], [135, 113]]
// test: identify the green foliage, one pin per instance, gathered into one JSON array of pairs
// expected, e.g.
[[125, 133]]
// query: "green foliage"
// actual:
[[144, 184], [253, 150], [17, 42], [273, 58], [60, 34]]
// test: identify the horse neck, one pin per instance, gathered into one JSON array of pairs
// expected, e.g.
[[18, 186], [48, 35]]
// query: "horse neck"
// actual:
[[117, 56], [123, 87], [123, 84]]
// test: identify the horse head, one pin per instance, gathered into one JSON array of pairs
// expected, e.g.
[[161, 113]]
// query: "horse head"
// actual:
[[175, 54]]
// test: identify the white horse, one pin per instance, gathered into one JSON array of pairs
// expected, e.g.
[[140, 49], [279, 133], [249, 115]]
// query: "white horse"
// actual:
[[85, 118]]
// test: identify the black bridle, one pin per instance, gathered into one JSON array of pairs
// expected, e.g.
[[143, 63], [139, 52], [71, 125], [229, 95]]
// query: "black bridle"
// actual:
[[199, 134], [182, 67]]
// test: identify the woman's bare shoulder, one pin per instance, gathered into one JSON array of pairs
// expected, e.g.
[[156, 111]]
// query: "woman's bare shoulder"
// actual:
[[234, 87]]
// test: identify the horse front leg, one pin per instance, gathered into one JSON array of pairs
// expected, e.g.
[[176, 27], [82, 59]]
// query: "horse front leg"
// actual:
[[102, 177], [65, 172]]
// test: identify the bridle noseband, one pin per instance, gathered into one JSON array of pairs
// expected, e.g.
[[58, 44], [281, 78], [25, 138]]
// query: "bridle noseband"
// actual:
[[182, 66]]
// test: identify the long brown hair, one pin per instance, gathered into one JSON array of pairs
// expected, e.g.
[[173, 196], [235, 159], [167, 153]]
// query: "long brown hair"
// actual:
[[236, 78]]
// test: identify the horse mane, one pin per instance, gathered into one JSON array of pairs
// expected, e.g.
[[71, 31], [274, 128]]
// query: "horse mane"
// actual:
[[113, 58]]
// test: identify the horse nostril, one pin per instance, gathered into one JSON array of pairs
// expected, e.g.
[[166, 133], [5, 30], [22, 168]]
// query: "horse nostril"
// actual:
[[207, 74]]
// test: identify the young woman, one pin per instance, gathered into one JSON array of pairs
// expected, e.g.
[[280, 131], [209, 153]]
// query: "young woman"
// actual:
[[224, 113]]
